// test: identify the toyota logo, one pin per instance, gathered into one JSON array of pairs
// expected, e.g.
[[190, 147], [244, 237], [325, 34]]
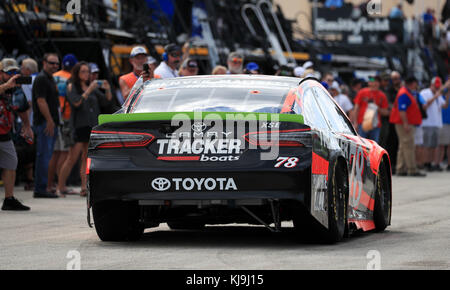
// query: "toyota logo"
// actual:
[[161, 184], [199, 127]]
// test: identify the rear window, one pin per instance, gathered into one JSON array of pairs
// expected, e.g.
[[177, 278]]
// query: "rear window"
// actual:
[[212, 95]]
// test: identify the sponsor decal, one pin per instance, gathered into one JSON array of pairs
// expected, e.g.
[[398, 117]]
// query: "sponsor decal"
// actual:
[[288, 162], [270, 125], [199, 146], [161, 184], [188, 184], [198, 127]]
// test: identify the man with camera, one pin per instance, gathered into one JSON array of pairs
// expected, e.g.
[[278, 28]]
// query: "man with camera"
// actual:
[[12, 99]]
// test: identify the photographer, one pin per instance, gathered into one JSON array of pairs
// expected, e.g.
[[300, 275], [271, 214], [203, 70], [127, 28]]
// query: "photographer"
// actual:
[[11, 99], [84, 98]]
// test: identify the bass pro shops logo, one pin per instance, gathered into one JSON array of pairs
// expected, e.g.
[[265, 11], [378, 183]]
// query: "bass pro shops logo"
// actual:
[[188, 184]]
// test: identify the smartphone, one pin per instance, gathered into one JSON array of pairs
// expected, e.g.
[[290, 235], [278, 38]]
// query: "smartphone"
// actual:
[[99, 83], [146, 68], [23, 81]]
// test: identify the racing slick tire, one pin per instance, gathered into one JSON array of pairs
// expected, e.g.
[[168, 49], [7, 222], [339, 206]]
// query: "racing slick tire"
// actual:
[[117, 221], [186, 225], [383, 198], [338, 192]]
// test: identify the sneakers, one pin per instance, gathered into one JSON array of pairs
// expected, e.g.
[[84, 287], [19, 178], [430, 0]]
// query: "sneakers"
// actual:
[[44, 195], [436, 168], [417, 174], [11, 203]]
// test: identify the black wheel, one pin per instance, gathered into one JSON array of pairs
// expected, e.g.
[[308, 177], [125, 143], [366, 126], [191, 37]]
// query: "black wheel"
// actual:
[[186, 225], [383, 199], [338, 189], [337, 200], [117, 221]]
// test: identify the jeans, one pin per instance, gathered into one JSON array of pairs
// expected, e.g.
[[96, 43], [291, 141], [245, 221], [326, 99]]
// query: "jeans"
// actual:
[[44, 151], [373, 134]]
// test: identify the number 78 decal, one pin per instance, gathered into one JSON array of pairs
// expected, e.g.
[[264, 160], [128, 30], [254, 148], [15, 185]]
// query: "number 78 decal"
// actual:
[[288, 162]]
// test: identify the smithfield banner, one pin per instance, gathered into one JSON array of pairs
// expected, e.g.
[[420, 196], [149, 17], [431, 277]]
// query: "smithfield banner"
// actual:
[[356, 30]]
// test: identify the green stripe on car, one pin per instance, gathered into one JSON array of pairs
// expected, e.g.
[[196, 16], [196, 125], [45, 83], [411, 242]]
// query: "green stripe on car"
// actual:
[[114, 118]]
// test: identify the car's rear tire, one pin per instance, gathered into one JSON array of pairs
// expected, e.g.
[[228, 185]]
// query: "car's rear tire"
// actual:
[[117, 221], [186, 225], [383, 199], [338, 189]]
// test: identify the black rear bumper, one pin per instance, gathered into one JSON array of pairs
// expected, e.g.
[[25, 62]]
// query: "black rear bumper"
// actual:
[[137, 185]]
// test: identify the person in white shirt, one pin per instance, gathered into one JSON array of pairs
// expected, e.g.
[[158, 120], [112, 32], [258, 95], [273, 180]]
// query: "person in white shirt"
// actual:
[[168, 68], [341, 99], [431, 125], [29, 68]]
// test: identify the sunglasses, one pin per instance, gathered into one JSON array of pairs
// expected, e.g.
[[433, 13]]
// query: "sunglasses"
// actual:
[[52, 63], [12, 72], [175, 54], [236, 60]]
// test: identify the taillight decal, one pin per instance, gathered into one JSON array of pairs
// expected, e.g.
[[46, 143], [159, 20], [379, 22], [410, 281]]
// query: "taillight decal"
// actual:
[[88, 165], [282, 143], [121, 143]]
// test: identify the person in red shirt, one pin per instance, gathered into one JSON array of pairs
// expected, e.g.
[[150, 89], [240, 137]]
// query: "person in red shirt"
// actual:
[[366, 96]]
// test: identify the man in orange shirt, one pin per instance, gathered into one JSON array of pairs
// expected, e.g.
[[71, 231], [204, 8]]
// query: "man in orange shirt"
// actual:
[[138, 57], [366, 96]]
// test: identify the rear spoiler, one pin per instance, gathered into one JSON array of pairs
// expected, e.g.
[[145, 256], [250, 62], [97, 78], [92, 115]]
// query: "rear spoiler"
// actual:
[[115, 118]]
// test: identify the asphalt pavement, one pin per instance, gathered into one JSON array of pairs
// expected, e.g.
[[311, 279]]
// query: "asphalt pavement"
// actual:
[[55, 235]]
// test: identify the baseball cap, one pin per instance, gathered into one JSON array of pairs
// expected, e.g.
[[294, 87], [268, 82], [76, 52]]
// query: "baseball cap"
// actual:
[[299, 71], [335, 86], [9, 64], [252, 66], [189, 62], [411, 79], [172, 48], [93, 67], [151, 60], [138, 50], [69, 61], [437, 82], [308, 64]]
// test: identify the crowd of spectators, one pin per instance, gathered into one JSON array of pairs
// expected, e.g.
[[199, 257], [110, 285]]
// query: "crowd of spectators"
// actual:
[[45, 124]]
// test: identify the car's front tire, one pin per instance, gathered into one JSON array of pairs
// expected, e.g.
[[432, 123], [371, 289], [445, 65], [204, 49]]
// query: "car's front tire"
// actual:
[[117, 220]]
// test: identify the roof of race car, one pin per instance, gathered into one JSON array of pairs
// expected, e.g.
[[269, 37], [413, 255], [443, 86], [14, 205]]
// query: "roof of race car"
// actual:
[[226, 81]]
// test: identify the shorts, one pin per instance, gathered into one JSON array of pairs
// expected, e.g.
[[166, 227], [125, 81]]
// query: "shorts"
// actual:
[[82, 134], [430, 137], [418, 136], [444, 135], [8, 155], [60, 145]]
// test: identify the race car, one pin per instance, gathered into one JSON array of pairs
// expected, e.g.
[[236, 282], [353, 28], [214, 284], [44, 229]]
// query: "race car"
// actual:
[[248, 149]]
